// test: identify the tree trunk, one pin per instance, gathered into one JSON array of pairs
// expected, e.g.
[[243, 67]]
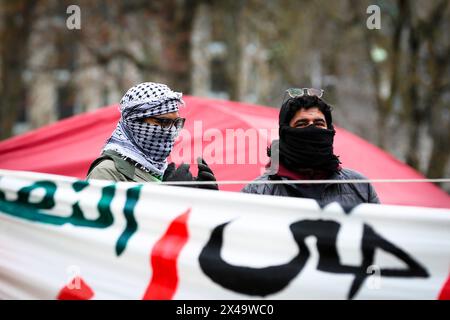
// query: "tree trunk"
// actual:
[[235, 37], [411, 104], [176, 22], [439, 157], [17, 20]]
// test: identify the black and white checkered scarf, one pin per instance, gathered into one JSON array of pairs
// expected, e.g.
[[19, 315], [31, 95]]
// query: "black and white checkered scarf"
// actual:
[[146, 144]]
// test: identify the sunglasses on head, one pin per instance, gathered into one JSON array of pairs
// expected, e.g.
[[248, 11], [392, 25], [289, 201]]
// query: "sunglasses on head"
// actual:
[[300, 92]]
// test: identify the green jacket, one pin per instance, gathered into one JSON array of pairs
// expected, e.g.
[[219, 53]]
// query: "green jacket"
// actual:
[[111, 166]]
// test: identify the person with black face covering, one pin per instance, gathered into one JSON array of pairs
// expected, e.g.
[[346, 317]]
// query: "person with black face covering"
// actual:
[[304, 151]]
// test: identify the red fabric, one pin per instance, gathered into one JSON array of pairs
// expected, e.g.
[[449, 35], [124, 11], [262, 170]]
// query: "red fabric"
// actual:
[[69, 146], [164, 282], [84, 292], [445, 291]]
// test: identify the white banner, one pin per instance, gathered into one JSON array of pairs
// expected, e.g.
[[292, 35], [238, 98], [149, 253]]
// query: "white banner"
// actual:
[[62, 238]]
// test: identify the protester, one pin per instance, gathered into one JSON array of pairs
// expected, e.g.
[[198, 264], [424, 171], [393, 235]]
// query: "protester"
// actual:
[[138, 148], [304, 151]]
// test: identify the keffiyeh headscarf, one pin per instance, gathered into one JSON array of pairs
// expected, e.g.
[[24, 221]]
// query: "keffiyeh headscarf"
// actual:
[[146, 144]]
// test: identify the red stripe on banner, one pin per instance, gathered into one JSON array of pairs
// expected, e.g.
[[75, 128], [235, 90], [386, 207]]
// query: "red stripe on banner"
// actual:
[[445, 292], [77, 289], [164, 258]]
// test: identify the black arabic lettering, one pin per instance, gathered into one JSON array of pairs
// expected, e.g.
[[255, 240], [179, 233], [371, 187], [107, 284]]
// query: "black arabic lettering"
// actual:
[[272, 279]]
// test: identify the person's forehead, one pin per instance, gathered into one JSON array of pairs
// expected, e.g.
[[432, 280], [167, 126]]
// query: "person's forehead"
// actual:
[[314, 111]]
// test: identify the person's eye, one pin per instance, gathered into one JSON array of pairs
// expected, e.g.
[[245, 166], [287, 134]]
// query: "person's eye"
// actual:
[[164, 122], [300, 124], [320, 123]]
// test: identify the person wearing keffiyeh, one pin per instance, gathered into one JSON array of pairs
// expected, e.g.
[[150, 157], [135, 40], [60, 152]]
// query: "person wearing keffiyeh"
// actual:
[[138, 148]]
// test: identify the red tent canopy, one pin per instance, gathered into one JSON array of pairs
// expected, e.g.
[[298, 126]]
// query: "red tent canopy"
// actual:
[[69, 146]]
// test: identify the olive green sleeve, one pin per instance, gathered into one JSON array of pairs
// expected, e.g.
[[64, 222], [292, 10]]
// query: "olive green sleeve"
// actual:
[[106, 170]]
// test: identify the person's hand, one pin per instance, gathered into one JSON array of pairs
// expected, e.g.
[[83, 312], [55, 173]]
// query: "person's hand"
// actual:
[[181, 173], [205, 174]]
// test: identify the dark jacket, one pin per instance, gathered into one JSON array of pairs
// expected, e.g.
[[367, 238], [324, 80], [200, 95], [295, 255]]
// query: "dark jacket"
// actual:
[[348, 194], [111, 166]]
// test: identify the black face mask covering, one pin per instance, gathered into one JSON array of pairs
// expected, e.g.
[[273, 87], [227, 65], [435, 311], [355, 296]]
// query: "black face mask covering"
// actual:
[[307, 148]]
